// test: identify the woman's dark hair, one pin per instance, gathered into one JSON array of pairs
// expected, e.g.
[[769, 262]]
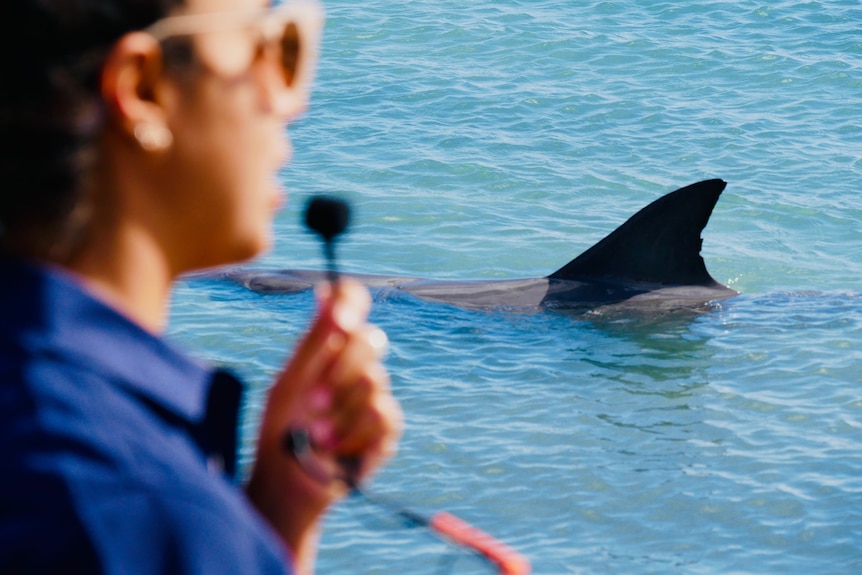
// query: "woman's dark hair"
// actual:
[[51, 113]]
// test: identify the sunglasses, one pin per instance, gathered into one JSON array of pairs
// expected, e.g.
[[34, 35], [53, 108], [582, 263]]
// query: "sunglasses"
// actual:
[[291, 30]]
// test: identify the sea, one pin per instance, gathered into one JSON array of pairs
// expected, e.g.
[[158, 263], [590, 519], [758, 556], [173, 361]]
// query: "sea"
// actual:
[[498, 139]]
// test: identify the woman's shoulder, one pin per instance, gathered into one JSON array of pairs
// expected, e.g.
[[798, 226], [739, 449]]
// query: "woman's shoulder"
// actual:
[[87, 460]]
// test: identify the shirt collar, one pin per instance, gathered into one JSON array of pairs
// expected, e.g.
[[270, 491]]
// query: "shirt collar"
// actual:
[[47, 310]]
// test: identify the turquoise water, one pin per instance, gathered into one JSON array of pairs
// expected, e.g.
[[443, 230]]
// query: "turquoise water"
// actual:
[[500, 139]]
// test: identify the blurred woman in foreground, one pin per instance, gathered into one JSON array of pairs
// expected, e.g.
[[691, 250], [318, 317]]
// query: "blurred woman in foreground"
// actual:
[[140, 141]]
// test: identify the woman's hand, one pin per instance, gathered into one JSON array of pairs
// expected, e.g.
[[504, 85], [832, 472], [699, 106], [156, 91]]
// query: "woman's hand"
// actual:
[[335, 388]]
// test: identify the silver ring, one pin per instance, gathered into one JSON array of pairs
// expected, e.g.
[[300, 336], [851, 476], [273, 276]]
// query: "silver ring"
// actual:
[[379, 341]]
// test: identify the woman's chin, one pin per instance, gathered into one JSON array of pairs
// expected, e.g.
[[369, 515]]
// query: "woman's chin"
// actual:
[[239, 252]]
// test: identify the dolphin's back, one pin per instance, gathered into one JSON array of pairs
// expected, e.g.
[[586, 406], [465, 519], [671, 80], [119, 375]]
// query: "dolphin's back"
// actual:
[[651, 262], [659, 244]]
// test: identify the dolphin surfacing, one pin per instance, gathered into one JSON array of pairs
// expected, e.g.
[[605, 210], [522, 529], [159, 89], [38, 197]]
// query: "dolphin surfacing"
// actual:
[[652, 261]]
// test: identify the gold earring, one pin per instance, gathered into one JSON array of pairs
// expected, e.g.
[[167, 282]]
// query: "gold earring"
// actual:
[[153, 137]]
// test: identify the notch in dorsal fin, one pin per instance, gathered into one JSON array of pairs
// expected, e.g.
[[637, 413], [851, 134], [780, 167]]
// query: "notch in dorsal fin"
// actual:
[[660, 244]]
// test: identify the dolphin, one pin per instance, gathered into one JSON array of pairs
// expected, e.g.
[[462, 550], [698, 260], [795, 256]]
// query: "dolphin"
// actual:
[[650, 262]]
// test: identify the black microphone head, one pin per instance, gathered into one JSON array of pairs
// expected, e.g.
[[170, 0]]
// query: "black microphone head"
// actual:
[[327, 216]]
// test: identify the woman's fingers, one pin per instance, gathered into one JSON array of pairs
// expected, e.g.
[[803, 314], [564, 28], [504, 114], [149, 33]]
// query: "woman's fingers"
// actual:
[[335, 386], [360, 413], [342, 312], [373, 434]]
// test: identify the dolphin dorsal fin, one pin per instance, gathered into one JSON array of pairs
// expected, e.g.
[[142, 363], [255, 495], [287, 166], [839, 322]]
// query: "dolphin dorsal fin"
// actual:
[[661, 243]]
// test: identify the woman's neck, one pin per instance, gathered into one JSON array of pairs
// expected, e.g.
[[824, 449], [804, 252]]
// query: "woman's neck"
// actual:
[[127, 269]]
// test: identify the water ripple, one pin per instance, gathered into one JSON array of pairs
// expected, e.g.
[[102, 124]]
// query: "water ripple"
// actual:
[[500, 139]]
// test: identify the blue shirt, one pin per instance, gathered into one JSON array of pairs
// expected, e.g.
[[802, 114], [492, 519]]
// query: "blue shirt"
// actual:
[[116, 451]]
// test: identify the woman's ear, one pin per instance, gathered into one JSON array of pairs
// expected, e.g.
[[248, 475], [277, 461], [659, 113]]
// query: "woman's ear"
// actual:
[[131, 82]]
